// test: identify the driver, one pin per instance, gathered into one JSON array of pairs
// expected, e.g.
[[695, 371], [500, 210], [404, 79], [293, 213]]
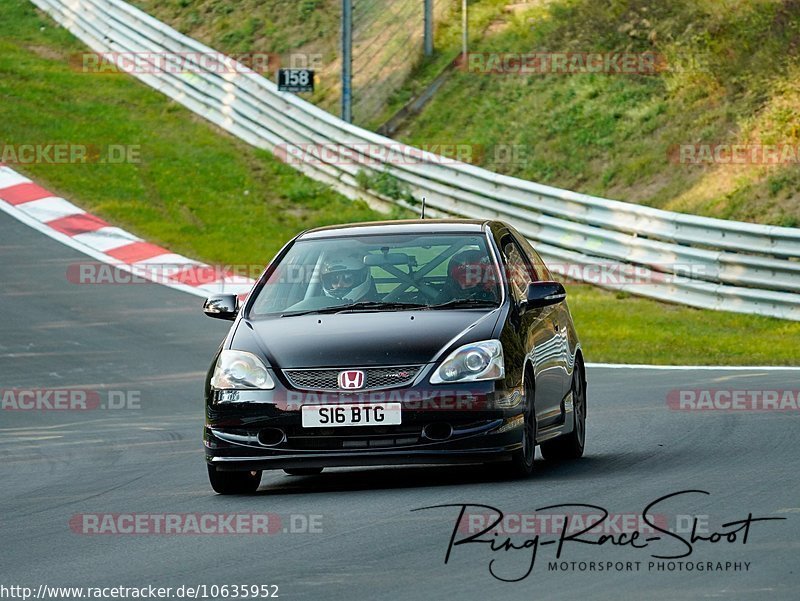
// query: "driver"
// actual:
[[345, 276], [471, 276]]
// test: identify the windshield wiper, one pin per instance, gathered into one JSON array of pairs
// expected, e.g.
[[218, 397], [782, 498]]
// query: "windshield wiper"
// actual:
[[366, 305], [468, 303], [334, 309], [381, 306]]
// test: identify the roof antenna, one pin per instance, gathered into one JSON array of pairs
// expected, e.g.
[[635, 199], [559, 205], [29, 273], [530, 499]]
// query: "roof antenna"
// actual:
[[422, 214]]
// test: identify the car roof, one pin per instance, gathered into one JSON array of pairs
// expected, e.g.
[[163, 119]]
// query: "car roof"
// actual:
[[400, 226]]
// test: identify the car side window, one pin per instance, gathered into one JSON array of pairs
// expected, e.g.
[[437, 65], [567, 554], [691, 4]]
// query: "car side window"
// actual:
[[540, 271], [518, 269], [539, 265]]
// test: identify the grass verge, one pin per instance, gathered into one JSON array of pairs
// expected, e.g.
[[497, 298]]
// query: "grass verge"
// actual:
[[618, 328]]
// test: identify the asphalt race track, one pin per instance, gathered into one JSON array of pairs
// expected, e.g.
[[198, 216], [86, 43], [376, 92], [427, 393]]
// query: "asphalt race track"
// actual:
[[153, 345]]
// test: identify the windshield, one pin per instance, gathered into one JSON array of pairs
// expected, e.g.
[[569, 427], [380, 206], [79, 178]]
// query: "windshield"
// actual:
[[381, 273]]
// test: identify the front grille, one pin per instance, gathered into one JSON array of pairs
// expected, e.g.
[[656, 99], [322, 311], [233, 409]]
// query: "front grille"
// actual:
[[374, 377]]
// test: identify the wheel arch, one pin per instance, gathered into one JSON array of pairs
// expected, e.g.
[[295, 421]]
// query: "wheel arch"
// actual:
[[579, 360], [529, 375]]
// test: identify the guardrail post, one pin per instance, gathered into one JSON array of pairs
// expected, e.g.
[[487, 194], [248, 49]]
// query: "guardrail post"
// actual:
[[464, 31], [428, 27], [347, 60]]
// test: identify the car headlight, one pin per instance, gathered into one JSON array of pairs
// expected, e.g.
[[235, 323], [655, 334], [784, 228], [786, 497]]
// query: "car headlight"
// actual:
[[237, 370], [472, 363]]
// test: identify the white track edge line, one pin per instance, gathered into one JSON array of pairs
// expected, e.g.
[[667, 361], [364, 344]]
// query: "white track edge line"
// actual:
[[695, 367]]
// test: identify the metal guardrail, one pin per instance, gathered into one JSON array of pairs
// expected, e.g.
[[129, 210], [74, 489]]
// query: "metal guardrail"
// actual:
[[697, 261]]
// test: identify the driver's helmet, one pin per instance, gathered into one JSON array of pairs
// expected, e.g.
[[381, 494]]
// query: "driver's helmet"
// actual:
[[345, 276], [472, 271]]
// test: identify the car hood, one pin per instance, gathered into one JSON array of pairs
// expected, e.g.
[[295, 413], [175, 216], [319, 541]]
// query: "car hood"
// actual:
[[362, 339]]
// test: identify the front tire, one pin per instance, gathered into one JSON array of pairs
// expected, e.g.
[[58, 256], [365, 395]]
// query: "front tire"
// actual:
[[570, 446], [233, 483], [522, 460]]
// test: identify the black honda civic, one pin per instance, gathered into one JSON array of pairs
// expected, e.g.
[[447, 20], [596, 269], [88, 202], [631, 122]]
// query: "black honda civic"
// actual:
[[401, 342]]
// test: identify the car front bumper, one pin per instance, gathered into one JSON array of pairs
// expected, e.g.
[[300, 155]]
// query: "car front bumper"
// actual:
[[262, 430]]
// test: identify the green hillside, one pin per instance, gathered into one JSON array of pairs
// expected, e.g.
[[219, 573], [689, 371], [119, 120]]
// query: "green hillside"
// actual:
[[729, 75]]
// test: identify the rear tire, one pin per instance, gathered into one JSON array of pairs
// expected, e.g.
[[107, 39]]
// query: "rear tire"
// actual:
[[233, 483], [303, 471], [570, 446], [521, 465]]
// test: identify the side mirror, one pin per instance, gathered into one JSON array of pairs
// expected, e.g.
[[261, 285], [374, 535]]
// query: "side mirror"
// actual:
[[222, 306], [543, 294]]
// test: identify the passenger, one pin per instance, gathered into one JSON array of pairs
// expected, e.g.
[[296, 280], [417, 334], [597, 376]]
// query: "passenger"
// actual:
[[471, 276]]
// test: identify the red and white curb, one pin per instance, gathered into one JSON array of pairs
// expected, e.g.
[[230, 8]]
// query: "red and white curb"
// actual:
[[63, 221]]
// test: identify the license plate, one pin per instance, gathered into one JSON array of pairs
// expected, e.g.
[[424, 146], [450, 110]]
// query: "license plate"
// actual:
[[326, 416]]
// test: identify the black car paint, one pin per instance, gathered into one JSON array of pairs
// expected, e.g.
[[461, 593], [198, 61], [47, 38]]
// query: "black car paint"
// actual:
[[539, 343], [362, 338]]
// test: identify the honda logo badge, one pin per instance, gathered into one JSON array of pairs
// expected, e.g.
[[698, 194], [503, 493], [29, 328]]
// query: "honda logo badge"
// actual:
[[351, 379]]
